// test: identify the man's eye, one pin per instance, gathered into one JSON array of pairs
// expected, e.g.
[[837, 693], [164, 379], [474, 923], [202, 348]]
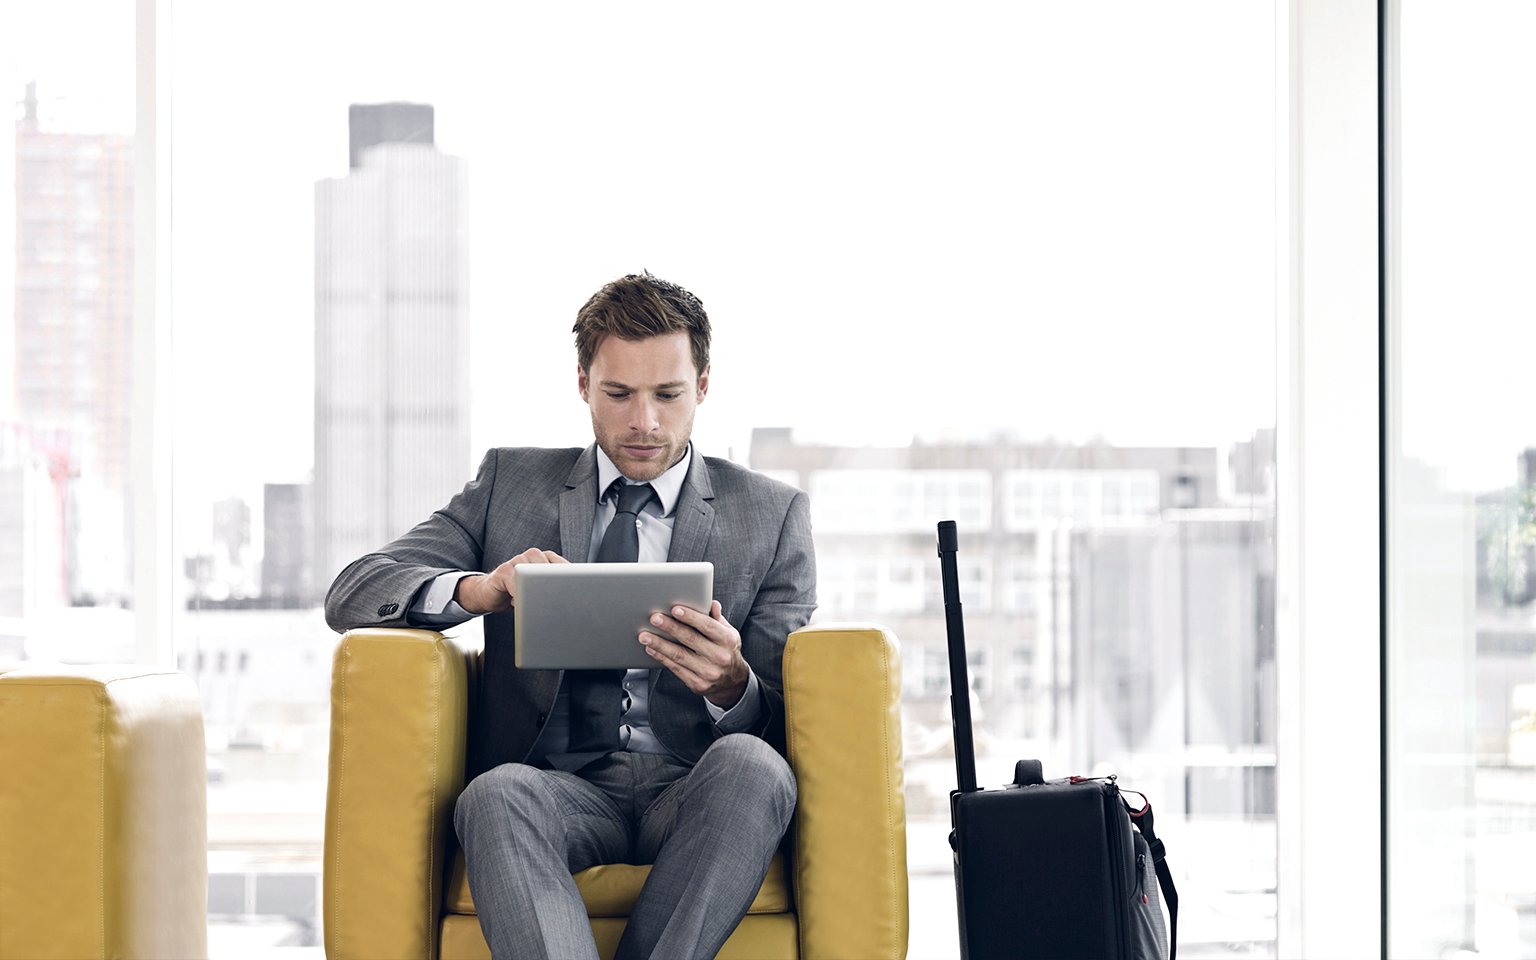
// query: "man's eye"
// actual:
[[668, 396], [617, 394]]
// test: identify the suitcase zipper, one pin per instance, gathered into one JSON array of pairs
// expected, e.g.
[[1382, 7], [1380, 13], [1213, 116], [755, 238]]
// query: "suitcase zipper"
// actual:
[[1076, 779], [1119, 859]]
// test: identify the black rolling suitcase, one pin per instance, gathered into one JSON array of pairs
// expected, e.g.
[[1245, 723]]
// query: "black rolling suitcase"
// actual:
[[1051, 869]]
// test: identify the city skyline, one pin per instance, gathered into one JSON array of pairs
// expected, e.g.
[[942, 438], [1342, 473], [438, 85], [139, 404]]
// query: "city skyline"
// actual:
[[85, 84], [787, 301]]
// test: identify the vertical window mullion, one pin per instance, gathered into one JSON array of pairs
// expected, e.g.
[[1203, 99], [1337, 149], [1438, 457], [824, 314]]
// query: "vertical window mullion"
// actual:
[[153, 563]]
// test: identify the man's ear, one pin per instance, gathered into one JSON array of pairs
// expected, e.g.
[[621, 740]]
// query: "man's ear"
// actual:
[[581, 383], [703, 385]]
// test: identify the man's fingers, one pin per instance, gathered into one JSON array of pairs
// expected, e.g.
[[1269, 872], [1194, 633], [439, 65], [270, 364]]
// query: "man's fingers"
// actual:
[[696, 641], [535, 555], [715, 639], [677, 658], [704, 625], [706, 654], [710, 664], [672, 647], [502, 579]]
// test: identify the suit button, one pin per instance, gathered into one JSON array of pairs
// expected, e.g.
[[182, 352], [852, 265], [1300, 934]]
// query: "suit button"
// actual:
[[540, 722], [388, 609]]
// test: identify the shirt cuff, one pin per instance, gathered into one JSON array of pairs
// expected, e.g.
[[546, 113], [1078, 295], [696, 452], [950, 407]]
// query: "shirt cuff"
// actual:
[[435, 607], [744, 715]]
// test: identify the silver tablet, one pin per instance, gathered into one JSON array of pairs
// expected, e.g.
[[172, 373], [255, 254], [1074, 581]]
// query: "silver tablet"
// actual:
[[577, 616]]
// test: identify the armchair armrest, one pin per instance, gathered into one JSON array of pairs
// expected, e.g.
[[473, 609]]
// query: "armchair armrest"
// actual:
[[399, 722], [103, 813], [842, 696]]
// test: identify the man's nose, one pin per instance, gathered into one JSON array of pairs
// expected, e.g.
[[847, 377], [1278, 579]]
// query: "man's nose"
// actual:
[[643, 419]]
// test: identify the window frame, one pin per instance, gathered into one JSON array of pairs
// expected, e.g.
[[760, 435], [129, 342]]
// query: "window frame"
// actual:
[[150, 440], [1328, 616]]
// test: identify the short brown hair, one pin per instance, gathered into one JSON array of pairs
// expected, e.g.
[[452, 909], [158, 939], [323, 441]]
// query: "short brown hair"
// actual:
[[637, 307]]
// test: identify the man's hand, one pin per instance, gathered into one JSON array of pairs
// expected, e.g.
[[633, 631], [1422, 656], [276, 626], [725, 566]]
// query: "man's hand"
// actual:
[[707, 654], [493, 592]]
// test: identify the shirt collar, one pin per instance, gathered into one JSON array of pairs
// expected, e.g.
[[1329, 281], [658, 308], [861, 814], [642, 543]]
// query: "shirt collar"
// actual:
[[668, 486]]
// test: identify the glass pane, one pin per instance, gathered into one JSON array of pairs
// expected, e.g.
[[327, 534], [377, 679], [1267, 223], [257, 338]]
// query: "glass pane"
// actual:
[[1011, 266], [66, 352], [1463, 539]]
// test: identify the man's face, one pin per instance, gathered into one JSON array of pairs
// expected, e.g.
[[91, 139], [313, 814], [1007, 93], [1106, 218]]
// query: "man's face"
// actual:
[[642, 394]]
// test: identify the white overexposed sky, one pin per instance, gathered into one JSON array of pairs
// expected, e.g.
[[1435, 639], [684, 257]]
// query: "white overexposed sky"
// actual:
[[906, 220], [1468, 152], [903, 222]]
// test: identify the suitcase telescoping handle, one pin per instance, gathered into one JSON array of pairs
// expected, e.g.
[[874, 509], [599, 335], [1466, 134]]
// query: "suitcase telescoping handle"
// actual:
[[959, 683]]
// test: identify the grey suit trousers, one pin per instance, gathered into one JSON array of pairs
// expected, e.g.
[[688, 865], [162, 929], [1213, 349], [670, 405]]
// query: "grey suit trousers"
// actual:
[[710, 831]]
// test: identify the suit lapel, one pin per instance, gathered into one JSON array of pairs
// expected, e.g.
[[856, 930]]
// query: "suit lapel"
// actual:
[[694, 519], [693, 522], [578, 504]]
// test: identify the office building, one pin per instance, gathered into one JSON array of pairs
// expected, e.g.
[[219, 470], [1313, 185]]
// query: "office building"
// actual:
[[73, 333], [391, 336], [1117, 607]]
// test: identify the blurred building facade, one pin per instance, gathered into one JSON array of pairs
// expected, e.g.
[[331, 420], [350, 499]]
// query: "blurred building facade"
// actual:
[[391, 336], [287, 562], [73, 339], [1119, 602], [33, 512]]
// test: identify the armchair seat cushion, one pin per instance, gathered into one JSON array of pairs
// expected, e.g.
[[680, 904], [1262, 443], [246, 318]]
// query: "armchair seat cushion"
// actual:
[[611, 890]]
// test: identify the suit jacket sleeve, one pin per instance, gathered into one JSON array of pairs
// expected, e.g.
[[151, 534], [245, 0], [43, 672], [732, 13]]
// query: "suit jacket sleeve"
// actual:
[[784, 603], [376, 590]]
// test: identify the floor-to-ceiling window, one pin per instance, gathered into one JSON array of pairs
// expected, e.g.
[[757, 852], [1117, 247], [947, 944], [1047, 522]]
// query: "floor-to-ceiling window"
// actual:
[[1012, 265], [1462, 590], [1007, 265], [66, 329]]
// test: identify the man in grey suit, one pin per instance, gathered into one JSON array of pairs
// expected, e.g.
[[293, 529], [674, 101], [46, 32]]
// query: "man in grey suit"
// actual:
[[680, 766]]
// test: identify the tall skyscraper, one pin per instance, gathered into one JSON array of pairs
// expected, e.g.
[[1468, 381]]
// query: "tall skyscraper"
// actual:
[[74, 313], [391, 336]]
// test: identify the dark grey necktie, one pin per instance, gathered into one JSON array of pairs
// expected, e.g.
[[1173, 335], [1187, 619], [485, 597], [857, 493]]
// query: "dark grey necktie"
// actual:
[[621, 541], [596, 694]]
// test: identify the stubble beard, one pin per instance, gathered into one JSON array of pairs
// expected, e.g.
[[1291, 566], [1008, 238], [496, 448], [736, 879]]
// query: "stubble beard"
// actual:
[[643, 470]]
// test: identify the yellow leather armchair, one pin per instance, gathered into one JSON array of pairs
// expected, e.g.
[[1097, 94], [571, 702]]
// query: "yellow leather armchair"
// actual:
[[103, 813], [394, 878]]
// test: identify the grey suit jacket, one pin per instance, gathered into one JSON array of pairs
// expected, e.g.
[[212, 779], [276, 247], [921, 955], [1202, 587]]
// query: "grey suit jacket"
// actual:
[[756, 531]]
